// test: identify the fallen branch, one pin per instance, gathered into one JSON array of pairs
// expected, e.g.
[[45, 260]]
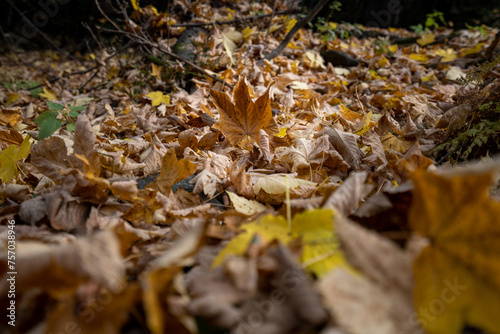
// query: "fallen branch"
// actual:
[[294, 30]]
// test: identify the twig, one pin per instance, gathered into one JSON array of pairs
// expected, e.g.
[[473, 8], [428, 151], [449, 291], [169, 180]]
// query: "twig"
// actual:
[[248, 18], [145, 41], [292, 32], [270, 21]]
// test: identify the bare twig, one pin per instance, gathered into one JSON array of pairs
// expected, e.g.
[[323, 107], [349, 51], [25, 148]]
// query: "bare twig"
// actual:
[[144, 41], [295, 28]]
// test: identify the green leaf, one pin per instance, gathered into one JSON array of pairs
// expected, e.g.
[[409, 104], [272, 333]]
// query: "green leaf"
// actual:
[[71, 127], [48, 123], [55, 106], [73, 114], [77, 108]]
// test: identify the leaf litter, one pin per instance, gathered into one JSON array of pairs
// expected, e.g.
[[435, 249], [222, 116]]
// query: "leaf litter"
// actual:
[[310, 201]]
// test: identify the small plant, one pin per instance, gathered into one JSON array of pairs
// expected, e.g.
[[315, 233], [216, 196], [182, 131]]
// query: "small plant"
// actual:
[[51, 120], [479, 72], [326, 28], [382, 47], [34, 87], [432, 22], [480, 139], [481, 29]]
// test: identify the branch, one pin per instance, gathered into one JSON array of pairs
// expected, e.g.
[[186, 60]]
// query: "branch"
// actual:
[[295, 28]]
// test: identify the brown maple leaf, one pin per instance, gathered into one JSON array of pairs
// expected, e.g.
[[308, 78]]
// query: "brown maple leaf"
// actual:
[[241, 122]]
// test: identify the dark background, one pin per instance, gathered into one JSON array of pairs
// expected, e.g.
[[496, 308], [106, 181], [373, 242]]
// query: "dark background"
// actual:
[[61, 20]]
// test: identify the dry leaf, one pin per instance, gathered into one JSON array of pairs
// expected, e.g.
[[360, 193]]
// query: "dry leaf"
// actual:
[[458, 274], [242, 121]]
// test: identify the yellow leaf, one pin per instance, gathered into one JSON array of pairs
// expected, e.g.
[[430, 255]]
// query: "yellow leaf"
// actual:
[[290, 24], [315, 228], [282, 133], [245, 206], [9, 158], [457, 276], [393, 48], [473, 50], [333, 25], [242, 121], [12, 97], [267, 229], [156, 72], [48, 94], [135, 4], [294, 46], [418, 57], [426, 39], [158, 98], [247, 33], [448, 54], [320, 252], [365, 124], [430, 77]]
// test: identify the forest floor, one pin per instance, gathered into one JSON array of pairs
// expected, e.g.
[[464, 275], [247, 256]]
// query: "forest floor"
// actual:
[[346, 186]]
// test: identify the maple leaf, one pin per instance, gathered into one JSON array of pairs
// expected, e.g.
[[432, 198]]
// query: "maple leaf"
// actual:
[[158, 98], [9, 158], [242, 121], [173, 170], [458, 274]]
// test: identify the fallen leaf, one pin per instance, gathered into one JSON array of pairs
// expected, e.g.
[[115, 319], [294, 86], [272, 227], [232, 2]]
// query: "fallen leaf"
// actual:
[[458, 274], [158, 98], [242, 121], [173, 170], [9, 158], [245, 206]]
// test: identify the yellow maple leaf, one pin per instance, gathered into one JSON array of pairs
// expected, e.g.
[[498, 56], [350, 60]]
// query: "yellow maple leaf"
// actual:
[[457, 276], [448, 54], [315, 228], [242, 121], [158, 98], [426, 39], [48, 94], [9, 158]]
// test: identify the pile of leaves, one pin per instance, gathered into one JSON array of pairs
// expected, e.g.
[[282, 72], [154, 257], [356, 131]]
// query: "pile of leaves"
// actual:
[[287, 196]]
